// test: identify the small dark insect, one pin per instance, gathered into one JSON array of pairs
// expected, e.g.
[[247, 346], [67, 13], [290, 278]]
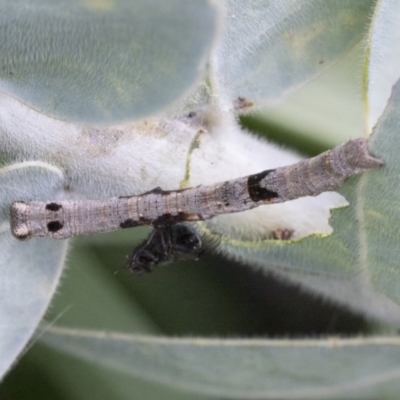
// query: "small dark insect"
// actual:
[[167, 244]]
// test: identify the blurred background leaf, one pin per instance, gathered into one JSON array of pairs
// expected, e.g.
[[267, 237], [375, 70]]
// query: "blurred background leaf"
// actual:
[[382, 59], [269, 48], [332, 368], [103, 61], [325, 112]]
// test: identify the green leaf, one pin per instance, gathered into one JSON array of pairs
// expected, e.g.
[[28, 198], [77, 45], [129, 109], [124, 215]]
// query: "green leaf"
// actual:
[[238, 369], [29, 270], [94, 290], [282, 44], [326, 111], [44, 374], [103, 61], [357, 265], [382, 61]]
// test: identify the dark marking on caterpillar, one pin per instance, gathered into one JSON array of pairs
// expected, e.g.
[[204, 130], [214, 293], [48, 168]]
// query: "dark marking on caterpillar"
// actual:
[[258, 193], [54, 226], [53, 206]]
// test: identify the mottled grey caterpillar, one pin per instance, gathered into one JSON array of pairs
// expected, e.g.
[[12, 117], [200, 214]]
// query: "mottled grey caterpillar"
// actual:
[[61, 219]]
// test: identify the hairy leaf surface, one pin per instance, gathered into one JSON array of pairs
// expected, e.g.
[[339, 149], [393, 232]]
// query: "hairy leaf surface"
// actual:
[[103, 61], [29, 270], [238, 369]]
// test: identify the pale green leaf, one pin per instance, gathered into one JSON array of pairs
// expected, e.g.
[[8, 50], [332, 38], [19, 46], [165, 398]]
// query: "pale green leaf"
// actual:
[[270, 47], [358, 264], [77, 380], [92, 298], [245, 369], [29, 270], [91, 290], [327, 110], [382, 60], [103, 61]]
